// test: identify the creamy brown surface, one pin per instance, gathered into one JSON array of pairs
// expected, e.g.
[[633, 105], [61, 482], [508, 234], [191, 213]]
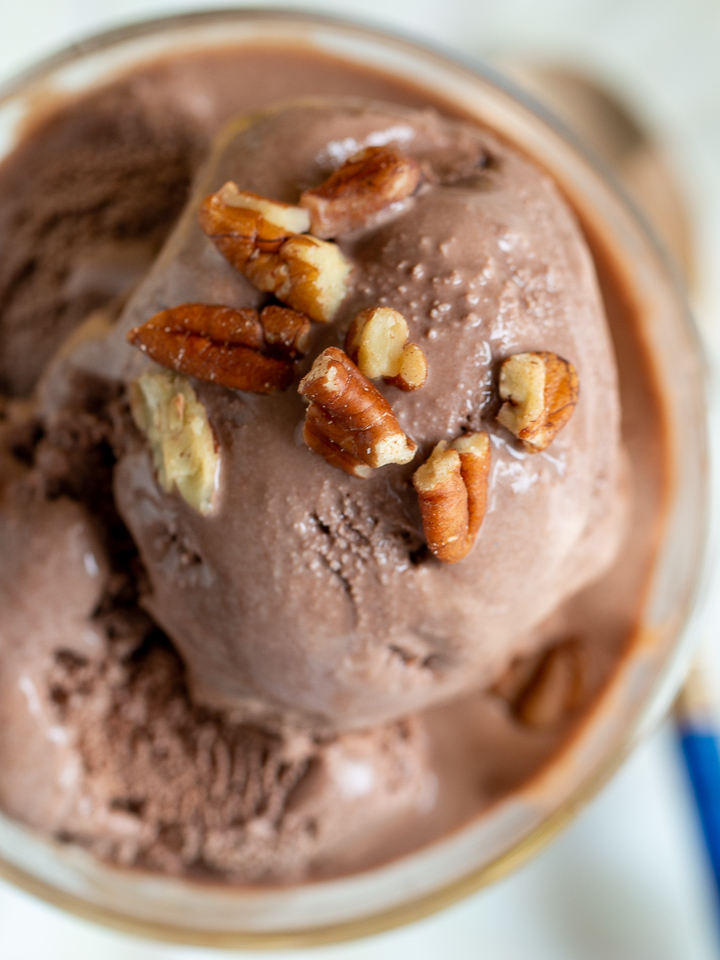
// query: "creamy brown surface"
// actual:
[[309, 591], [101, 729]]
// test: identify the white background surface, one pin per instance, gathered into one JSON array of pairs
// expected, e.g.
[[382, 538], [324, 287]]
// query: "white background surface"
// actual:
[[628, 880]]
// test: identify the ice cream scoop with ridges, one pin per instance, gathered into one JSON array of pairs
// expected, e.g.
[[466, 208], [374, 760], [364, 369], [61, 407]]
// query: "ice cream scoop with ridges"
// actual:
[[310, 593]]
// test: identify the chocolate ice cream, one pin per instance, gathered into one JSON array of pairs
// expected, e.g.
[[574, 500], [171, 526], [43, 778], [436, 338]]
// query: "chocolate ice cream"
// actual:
[[290, 684], [308, 590]]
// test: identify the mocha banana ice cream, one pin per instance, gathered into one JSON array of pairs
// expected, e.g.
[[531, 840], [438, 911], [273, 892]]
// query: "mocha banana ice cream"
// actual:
[[315, 510], [310, 590]]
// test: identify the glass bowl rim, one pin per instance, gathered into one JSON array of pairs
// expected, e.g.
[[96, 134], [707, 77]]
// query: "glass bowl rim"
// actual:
[[648, 712]]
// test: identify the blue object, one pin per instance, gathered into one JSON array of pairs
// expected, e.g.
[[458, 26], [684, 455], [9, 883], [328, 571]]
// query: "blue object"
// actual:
[[702, 759]]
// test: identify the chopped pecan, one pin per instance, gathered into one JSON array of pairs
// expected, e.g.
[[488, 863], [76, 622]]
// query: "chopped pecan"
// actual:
[[356, 423], [286, 216], [307, 274], [377, 342], [242, 224], [545, 688], [264, 241], [317, 439], [364, 185], [413, 369], [214, 343], [286, 331], [539, 391], [452, 491], [166, 409]]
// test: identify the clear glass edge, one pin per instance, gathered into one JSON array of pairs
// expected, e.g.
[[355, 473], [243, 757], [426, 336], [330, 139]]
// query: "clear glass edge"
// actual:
[[669, 677]]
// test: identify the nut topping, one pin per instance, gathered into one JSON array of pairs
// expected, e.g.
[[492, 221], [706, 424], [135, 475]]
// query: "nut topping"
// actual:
[[214, 343], [263, 240], [316, 438], [540, 391], [544, 689], [166, 409], [377, 343], [349, 422], [286, 331], [452, 491], [242, 223], [554, 690], [290, 218], [364, 185], [307, 274]]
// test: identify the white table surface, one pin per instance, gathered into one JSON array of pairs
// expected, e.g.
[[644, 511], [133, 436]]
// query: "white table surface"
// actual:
[[628, 880]]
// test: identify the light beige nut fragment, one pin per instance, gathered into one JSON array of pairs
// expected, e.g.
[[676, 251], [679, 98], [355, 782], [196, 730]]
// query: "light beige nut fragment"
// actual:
[[540, 391], [307, 274], [318, 273], [350, 414], [413, 369], [367, 183], [166, 409], [452, 491], [264, 240], [377, 342]]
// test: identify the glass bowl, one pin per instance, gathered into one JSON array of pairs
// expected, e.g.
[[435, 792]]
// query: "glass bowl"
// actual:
[[640, 690]]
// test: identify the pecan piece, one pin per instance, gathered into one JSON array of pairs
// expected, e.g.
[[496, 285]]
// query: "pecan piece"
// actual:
[[241, 223], [316, 438], [539, 391], [377, 342], [307, 274], [166, 409], [544, 689], [452, 491], [364, 185], [264, 241], [354, 420], [286, 331], [214, 343], [554, 691]]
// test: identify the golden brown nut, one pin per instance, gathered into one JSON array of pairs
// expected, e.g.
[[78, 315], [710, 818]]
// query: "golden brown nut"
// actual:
[[413, 369], [307, 274], [242, 223], [377, 342], [539, 391], [263, 240], [364, 185], [166, 409], [286, 216], [286, 331], [316, 437], [214, 343], [544, 689], [452, 491], [351, 415]]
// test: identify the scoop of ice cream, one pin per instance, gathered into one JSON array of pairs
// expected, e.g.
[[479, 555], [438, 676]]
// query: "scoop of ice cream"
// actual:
[[52, 572], [100, 743], [309, 592], [170, 787]]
